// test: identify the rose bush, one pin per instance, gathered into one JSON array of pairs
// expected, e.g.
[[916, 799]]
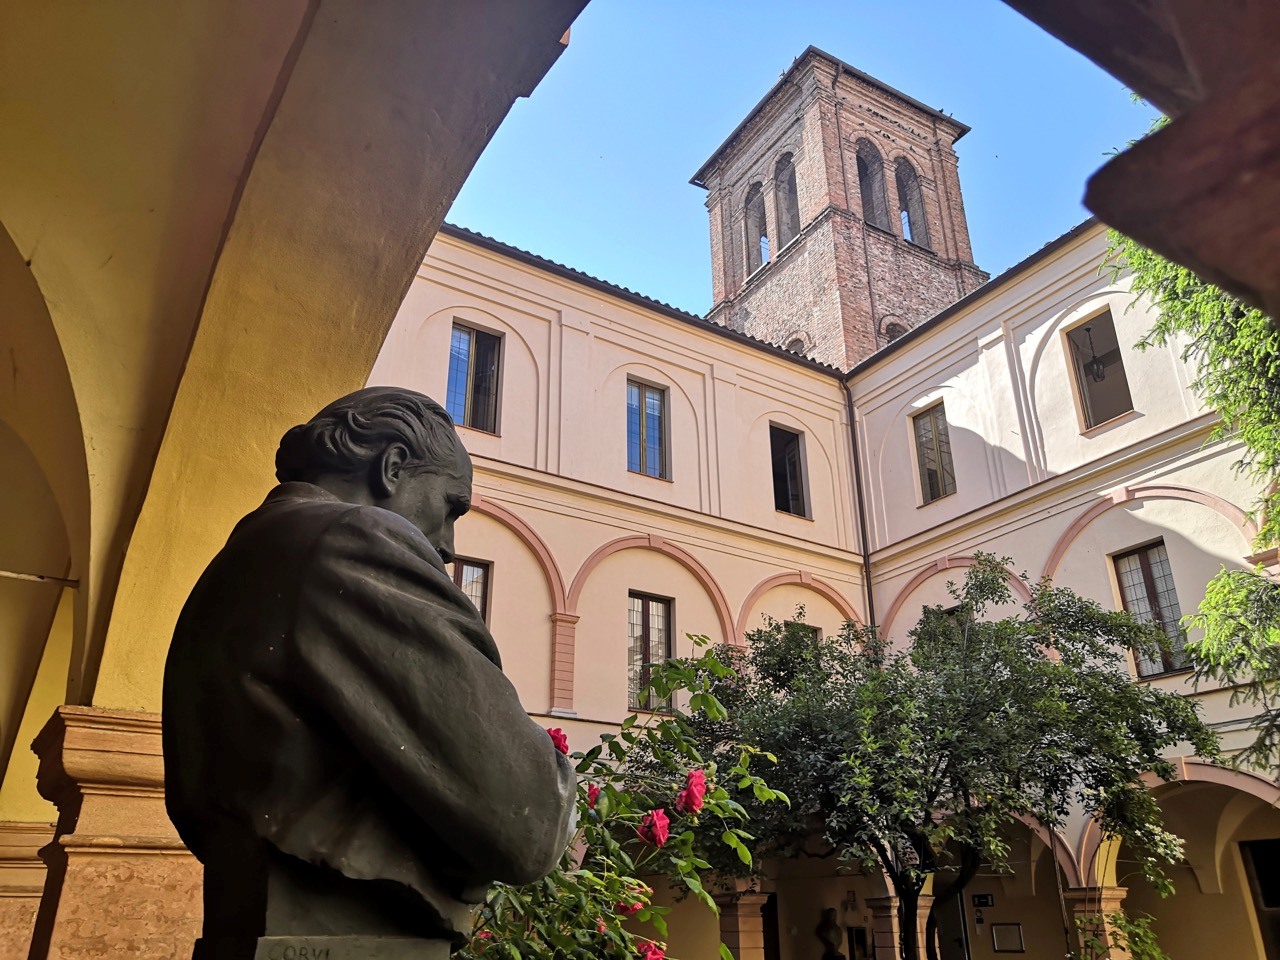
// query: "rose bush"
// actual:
[[649, 805]]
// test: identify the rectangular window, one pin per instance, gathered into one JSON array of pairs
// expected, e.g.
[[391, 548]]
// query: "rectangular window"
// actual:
[[808, 630], [933, 453], [1100, 377], [648, 642], [472, 578], [1146, 586], [472, 394], [786, 447], [646, 429]]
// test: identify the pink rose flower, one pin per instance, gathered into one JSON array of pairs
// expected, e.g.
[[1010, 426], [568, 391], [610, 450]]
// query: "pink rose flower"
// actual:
[[629, 909], [601, 927], [593, 794], [648, 950], [655, 827], [689, 800], [559, 739]]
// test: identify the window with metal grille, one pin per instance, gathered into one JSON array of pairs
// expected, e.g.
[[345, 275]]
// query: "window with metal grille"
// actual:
[[1099, 370], [808, 630], [472, 578], [648, 643], [933, 453], [786, 448], [472, 395], [647, 429], [1146, 587]]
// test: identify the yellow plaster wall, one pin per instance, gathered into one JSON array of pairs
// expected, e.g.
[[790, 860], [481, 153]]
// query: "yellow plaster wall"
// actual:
[[384, 113], [18, 797], [124, 131]]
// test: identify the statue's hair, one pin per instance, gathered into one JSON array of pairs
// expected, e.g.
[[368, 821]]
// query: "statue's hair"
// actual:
[[348, 434]]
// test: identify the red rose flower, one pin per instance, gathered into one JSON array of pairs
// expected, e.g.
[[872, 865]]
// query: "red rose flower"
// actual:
[[689, 800], [593, 794], [601, 927], [655, 827], [651, 951], [629, 909], [559, 739]]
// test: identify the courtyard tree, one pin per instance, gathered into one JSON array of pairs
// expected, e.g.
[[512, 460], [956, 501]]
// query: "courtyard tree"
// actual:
[[917, 762], [640, 822], [1236, 352]]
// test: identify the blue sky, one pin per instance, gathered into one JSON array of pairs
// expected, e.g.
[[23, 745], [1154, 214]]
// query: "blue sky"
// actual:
[[593, 169]]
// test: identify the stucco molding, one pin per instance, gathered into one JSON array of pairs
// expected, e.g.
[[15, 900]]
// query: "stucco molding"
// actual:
[[537, 546], [665, 547], [938, 566], [801, 578], [1152, 491]]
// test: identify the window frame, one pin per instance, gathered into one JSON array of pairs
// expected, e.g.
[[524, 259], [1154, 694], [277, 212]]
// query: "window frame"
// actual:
[[664, 446], [469, 392], [802, 470], [1169, 659], [457, 573], [923, 487], [1079, 378], [646, 626]]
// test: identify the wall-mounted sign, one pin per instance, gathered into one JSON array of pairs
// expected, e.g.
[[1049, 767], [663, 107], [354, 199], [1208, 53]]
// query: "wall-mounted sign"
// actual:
[[984, 899]]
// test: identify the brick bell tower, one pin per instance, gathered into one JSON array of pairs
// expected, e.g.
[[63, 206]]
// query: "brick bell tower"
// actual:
[[836, 217]]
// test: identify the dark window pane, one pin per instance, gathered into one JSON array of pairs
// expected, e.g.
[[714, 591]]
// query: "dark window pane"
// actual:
[[474, 374], [1099, 369], [933, 454], [484, 379], [788, 471]]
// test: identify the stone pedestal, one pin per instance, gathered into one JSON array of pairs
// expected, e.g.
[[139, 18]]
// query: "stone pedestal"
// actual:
[[120, 883], [742, 924], [22, 875], [1089, 908], [324, 948]]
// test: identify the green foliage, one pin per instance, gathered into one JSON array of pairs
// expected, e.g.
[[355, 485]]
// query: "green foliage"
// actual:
[[1236, 352], [921, 761], [582, 910], [1240, 647], [1132, 937]]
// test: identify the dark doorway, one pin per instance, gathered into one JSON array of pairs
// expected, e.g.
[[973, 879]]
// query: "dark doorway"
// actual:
[[769, 913]]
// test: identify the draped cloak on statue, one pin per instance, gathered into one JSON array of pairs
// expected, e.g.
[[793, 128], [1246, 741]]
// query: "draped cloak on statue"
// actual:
[[331, 694]]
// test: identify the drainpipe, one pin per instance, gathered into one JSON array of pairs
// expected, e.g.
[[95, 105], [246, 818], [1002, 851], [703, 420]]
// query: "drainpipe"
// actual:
[[859, 502]]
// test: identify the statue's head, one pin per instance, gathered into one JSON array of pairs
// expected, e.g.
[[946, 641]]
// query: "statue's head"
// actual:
[[386, 447]]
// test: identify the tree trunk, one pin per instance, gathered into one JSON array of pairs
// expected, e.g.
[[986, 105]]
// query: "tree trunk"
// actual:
[[908, 904], [970, 861]]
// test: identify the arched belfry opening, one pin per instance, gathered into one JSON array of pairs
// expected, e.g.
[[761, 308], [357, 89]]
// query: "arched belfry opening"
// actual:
[[870, 166], [910, 203], [757, 238], [788, 200]]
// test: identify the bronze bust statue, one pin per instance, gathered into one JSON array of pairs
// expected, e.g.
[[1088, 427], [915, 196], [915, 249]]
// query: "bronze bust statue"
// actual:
[[342, 750]]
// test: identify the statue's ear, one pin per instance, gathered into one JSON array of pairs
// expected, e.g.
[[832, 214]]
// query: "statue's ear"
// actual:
[[388, 470]]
